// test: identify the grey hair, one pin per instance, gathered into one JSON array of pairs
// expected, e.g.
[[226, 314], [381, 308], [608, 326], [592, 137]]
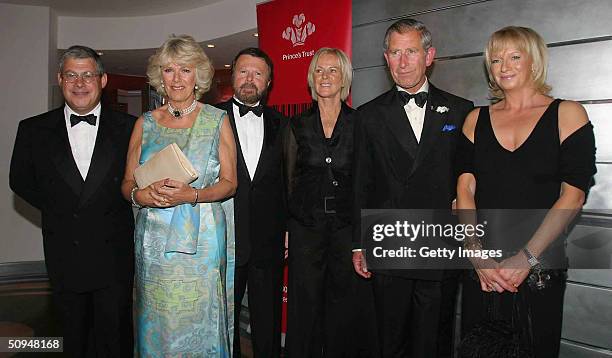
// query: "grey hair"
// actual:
[[81, 52], [405, 25]]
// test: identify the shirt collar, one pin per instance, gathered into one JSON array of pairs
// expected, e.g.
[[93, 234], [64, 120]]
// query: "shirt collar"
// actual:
[[424, 87]]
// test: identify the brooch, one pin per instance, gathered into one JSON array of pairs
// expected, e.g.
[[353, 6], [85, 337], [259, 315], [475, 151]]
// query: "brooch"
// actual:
[[442, 109]]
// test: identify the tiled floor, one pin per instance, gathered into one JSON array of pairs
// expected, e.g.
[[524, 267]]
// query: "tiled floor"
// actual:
[[26, 311]]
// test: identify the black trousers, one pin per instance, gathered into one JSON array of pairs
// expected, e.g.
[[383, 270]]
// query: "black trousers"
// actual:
[[97, 323], [408, 311], [265, 303], [330, 308], [446, 325]]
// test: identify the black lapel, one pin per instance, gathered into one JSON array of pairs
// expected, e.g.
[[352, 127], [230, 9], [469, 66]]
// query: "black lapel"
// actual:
[[314, 117], [241, 163], [61, 154], [345, 111], [397, 122], [435, 119], [271, 124], [103, 156]]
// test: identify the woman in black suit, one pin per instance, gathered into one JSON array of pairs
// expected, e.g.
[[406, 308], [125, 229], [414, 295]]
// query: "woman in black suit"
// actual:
[[319, 150]]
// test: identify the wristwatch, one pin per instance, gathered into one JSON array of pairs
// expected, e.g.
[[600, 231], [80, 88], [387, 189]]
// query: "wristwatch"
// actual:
[[533, 261]]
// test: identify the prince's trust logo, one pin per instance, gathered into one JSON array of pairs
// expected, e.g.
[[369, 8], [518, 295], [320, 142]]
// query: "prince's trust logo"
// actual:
[[298, 33]]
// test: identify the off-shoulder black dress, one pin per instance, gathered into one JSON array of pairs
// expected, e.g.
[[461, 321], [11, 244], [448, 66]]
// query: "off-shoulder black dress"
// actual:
[[525, 180]]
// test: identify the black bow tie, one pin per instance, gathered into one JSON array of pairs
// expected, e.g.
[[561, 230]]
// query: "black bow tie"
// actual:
[[75, 119], [244, 109], [419, 98]]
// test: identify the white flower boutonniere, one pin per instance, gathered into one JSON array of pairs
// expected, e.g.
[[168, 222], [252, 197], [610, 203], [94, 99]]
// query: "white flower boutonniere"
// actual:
[[442, 109]]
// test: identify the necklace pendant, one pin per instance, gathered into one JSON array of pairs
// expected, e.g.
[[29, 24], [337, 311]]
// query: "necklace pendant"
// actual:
[[177, 113]]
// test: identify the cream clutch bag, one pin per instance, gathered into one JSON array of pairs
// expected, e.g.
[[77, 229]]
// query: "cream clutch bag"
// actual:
[[169, 162]]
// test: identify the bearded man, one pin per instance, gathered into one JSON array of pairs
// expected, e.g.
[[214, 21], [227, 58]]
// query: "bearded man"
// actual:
[[260, 210]]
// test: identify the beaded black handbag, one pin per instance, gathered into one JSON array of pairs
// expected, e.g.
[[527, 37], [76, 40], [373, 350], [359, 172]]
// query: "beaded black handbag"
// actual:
[[495, 337]]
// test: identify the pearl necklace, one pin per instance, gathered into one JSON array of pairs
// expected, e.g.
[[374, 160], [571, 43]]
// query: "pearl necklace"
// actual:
[[182, 112]]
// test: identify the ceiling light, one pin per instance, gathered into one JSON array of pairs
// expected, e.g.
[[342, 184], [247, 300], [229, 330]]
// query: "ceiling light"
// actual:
[[256, 34], [100, 53], [227, 66], [210, 46]]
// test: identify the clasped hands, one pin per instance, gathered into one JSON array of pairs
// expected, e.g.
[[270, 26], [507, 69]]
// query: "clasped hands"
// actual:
[[494, 276], [502, 276], [165, 193]]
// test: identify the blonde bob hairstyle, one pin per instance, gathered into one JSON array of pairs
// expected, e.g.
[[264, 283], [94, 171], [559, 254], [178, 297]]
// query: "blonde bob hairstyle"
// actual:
[[184, 51], [525, 40], [346, 70]]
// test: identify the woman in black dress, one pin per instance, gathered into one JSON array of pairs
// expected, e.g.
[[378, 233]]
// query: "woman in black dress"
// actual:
[[322, 284], [525, 151]]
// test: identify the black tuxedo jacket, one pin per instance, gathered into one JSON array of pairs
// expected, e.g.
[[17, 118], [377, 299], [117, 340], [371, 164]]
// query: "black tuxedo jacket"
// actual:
[[260, 212], [394, 171], [87, 225]]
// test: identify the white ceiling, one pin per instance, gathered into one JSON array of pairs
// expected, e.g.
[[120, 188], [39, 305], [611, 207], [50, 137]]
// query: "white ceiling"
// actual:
[[115, 8], [134, 62]]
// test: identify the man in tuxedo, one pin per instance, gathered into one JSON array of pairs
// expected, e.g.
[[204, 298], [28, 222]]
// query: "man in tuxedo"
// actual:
[[69, 163], [260, 210], [404, 152]]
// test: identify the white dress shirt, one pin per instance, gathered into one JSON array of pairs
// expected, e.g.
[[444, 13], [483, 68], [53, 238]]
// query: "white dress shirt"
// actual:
[[416, 114], [250, 130], [82, 138]]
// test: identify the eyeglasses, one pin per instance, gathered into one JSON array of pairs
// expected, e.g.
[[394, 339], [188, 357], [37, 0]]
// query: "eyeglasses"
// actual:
[[87, 77]]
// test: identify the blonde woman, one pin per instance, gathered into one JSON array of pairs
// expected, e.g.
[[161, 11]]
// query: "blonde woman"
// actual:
[[527, 151], [322, 285], [184, 234]]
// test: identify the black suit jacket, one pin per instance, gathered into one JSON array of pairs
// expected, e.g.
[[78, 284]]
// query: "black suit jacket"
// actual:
[[393, 171], [307, 182], [87, 226], [260, 212]]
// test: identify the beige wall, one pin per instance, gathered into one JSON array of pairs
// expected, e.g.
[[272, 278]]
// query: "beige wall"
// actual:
[[27, 69]]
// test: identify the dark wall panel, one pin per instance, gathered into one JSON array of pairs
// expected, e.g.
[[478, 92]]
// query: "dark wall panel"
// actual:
[[579, 34]]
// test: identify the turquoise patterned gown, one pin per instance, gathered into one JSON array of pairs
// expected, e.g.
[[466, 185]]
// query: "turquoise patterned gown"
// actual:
[[185, 255]]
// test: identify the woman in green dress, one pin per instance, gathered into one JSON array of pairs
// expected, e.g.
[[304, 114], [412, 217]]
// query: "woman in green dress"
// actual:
[[184, 238]]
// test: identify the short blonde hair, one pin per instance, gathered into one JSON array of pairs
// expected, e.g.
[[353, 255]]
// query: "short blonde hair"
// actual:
[[345, 68], [526, 40], [185, 51]]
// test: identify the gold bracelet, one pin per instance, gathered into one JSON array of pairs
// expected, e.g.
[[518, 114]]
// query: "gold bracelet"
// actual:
[[195, 202]]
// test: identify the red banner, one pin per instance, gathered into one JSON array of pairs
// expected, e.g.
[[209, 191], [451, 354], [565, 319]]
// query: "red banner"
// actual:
[[290, 32]]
